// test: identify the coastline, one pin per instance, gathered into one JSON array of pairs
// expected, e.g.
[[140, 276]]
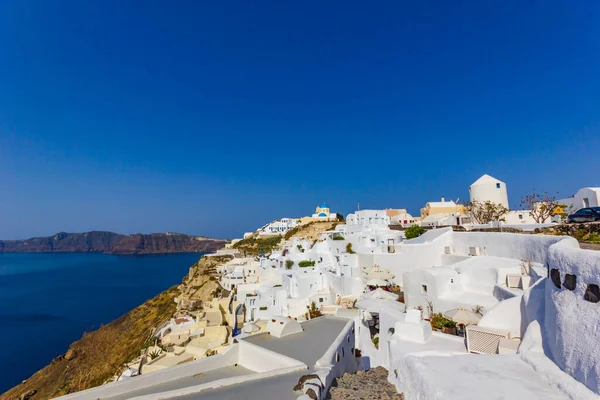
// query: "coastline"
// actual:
[[140, 318]]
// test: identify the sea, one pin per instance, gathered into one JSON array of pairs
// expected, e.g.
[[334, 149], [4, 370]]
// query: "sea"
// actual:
[[47, 300]]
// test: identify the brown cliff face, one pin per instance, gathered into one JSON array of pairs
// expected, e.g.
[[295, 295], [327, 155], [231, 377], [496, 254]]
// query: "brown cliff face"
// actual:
[[113, 243], [98, 355]]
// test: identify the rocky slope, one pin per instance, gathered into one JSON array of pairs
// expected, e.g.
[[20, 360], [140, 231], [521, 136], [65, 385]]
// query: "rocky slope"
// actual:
[[113, 243], [369, 385], [99, 355]]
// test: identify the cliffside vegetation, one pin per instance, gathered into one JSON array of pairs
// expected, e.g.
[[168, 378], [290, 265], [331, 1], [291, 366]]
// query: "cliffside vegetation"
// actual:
[[256, 245], [311, 230]]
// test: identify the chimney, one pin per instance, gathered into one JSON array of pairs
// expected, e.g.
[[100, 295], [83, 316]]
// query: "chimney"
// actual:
[[443, 199]]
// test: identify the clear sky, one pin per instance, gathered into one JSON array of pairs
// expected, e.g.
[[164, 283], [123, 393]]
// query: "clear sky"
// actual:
[[214, 117]]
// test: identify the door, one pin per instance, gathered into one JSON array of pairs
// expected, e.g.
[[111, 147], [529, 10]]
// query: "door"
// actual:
[[586, 202]]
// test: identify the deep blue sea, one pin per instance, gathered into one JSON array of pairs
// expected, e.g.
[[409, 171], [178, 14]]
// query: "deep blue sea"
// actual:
[[47, 300]]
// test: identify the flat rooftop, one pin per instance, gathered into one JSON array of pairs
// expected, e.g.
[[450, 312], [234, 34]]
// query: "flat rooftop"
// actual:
[[209, 376], [475, 377], [307, 346], [279, 387]]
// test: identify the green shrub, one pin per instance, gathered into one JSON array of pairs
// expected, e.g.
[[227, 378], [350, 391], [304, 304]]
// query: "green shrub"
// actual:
[[306, 263], [438, 321], [414, 231], [253, 245], [376, 342], [338, 238], [263, 308], [289, 264], [349, 248]]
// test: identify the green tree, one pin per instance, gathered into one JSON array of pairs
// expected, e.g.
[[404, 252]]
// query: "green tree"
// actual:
[[414, 231]]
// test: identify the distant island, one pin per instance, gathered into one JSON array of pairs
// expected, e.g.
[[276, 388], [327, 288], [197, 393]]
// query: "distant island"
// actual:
[[113, 243]]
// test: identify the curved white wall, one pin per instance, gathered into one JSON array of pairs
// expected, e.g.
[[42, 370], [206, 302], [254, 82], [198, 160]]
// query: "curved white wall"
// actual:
[[572, 324]]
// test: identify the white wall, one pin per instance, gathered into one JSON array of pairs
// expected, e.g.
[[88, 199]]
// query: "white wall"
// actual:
[[508, 245], [506, 315], [339, 357], [424, 251], [259, 359], [572, 324], [577, 201]]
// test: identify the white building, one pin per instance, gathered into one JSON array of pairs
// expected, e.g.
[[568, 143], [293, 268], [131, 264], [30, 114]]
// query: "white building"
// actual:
[[237, 272], [368, 219], [585, 197], [279, 226], [488, 188], [540, 296]]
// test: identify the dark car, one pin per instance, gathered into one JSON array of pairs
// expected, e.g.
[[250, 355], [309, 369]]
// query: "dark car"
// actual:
[[590, 214]]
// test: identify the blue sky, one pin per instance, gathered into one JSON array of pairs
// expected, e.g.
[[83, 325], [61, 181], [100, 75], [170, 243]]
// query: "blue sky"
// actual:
[[214, 117]]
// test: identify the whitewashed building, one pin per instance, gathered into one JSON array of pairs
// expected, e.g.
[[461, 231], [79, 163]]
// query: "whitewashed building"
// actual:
[[279, 226], [585, 197]]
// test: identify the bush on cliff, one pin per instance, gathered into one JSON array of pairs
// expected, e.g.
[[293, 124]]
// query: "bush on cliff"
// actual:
[[414, 231]]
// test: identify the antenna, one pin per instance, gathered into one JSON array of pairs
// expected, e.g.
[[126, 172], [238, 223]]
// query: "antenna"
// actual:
[[358, 206]]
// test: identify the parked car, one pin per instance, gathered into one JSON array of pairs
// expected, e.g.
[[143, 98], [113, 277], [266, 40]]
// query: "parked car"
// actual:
[[589, 214]]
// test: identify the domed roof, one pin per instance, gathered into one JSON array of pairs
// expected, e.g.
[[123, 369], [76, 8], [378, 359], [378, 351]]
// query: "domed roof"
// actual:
[[324, 205]]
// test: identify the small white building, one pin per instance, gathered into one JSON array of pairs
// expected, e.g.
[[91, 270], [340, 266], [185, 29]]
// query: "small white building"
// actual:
[[585, 197], [279, 226], [368, 219]]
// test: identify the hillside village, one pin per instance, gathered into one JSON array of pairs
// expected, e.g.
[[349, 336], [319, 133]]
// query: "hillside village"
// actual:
[[451, 306]]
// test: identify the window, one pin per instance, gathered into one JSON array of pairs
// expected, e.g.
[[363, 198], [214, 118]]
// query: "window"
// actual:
[[592, 293], [337, 356], [555, 277], [570, 281], [320, 299], [520, 216], [424, 289], [343, 353], [497, 186]]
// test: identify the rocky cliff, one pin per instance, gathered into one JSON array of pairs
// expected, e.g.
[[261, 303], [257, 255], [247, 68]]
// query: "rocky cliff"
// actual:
[[113, 243]]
